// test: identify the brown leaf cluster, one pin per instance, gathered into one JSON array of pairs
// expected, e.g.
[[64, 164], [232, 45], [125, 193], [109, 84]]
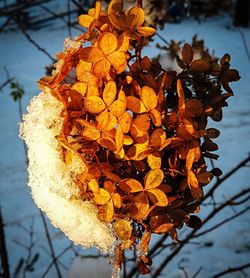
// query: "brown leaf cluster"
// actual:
[[141, 130]]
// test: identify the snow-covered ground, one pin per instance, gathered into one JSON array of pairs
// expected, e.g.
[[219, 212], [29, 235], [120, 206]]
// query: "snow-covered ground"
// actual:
[[230, 243]]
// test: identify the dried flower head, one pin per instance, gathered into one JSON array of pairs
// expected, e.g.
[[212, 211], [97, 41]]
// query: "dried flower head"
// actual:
[[140, 131]]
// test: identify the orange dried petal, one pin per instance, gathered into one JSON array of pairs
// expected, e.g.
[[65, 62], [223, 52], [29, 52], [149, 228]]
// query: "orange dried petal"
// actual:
[[122, 96], [127, 140], [145, 241], [98, 9], [154, 161], [102, 197], [85, 20], [131, 186], [138, 135], [192, 180], [111, 176], [123, 43], [107, 142], [81, 68], [190, 159], [125, 122], [102, 120], [120, 154], [142, 122], [107, 43], [91, 134], [106, 212], [153, 178], [158, 137], [109, 186], [135, 151], [155, 116], [135, 105], [91, 54], [117, 108], [119, 139], [145, 31], [118, 60], [135, 17], [149, 97], [101, 68], [94, 104], [181, 102], [85, 123], [164, 228], [93, 186], [123, 229], [117, 200], [111, 123], [142, 205], [109, 93], [80, 87], [157, 197]]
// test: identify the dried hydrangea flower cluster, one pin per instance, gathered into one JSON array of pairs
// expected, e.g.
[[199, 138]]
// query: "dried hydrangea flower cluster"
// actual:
[[140, 130]]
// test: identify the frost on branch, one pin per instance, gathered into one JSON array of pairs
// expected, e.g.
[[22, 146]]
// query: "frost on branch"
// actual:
[[52, 182]]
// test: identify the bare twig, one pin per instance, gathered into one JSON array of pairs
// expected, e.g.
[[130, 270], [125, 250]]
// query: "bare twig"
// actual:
[[244, 43], [50, 245], [226, 176], [191, 234], [6, 83], [197, 272], [69, 18], [29, 38], [161, 37], [231, 270], [55, 259], [214, 212], [223, 222]]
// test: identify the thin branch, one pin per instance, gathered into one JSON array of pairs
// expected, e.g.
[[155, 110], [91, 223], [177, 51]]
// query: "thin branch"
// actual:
[[222, 222], [232, 269], [29, 38], [197, 272], [69, 18], [244, 43], [152, 251], [226, 176], [6, 83], [191, 234], [55, 259], [161, 37], [50, 245]]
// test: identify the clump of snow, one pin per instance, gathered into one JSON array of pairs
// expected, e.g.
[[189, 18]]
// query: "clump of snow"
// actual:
[[52, 181]]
